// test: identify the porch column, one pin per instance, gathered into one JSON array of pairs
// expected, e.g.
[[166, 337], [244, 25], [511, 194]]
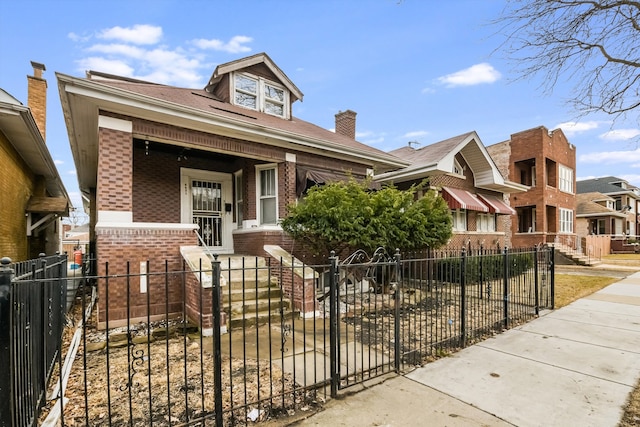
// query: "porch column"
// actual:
[[115, 171]]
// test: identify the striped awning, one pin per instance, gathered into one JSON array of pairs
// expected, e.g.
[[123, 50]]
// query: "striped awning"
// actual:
[[496, 205], [462, 199]]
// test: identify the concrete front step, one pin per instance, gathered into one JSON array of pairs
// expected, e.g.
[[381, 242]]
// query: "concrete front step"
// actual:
[[249, 292], [249, 295], [250, 308], [261, 318]]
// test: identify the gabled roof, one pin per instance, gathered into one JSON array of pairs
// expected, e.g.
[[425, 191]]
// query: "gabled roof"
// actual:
[[439, 158], [198, 110], [19, 126], [587, 206], [607, 185], [242, 63]]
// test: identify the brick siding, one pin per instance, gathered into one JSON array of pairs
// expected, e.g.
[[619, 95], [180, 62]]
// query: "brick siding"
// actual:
[[17, 185], [117, 247]]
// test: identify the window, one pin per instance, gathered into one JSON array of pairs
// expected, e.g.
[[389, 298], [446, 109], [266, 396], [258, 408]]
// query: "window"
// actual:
[[601, 226], [566, 220], [459, 220], [486, 222], [259, 94], [457, 169], [566, 179], [239, 186], [267, 195]]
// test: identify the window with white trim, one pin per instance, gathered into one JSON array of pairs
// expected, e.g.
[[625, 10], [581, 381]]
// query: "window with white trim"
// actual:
[[267, 194], [486, 222], [239, 187], [457, 168], [566, 220], [259, 94], [566, 179], [459, 220]]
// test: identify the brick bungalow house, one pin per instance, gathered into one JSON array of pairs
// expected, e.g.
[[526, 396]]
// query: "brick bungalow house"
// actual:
[[545, 161], [626, 199], [34, 196], [461, 169], [156, 163], [596, 214]]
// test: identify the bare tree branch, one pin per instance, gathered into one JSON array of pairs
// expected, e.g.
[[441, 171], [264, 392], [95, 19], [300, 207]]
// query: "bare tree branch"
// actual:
[[595, 45]]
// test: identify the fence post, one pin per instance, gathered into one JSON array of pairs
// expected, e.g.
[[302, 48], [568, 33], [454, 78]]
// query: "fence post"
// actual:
[[333, 324], [396, 328], [217, 363], [553, 277], [505, 274], [463, 298], [535, 279], [6, 275]]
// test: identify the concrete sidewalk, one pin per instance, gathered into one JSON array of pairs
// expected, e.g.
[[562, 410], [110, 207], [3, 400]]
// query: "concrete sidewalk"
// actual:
[[571, 367]]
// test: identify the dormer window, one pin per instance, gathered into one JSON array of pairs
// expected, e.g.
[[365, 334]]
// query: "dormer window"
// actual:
[[259, 94]]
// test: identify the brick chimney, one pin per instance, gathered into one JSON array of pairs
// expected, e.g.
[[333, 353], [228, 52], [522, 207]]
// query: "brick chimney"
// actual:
[[37, 97], [346, 123]]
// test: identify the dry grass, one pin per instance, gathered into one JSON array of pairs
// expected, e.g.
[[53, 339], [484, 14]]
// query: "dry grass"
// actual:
[[572, 287]]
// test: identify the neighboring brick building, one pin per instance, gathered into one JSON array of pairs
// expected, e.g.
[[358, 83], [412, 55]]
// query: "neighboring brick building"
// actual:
[[157, 162], [34, 198], [461, 169], [546, 162]]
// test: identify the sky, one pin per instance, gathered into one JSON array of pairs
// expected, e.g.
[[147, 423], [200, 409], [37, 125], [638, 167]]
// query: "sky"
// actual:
[[412, 70]]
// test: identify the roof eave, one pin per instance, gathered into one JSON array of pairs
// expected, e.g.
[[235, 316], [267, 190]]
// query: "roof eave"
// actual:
[[39, 158], [103, 95]]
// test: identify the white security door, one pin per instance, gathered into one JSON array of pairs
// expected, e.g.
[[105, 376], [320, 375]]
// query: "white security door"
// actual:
[[207, 202], [207, 210]]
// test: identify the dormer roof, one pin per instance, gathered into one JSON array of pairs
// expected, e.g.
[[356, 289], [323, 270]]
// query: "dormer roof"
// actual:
[[250, 61]]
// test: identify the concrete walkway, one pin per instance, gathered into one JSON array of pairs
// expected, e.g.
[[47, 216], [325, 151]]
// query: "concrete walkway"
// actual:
[[571, 367]]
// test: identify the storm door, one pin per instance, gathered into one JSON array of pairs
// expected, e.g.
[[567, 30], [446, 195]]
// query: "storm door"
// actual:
[[207, 210], [207, 202]]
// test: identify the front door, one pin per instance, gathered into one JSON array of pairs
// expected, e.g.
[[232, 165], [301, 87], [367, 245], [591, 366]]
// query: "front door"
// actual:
[[207, 202], [207, 210]]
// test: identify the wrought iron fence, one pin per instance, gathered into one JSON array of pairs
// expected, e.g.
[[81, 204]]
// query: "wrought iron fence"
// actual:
[[32, 318], [251, 349]]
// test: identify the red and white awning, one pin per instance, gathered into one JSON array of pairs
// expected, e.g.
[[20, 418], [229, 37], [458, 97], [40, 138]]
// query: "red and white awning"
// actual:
[[462, 199], [496, 205]]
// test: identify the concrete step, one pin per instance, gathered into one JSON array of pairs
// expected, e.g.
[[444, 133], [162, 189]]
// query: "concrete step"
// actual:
[[250, 294], [274, 316]]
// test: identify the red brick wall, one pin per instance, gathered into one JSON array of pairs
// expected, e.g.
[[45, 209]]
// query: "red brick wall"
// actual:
[[119, 246], [115, 165], [156, 179], [537, 143]]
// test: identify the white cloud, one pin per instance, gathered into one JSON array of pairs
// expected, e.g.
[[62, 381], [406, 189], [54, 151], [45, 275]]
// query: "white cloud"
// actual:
[[132, 55], [71, 172], [112, 66], [235, 45], [474, 75], [415, 134], [609, 157], [118, 49], [573, 128], [58, 161], [78, 38], [138, 34], [365, 134], [620, 134]]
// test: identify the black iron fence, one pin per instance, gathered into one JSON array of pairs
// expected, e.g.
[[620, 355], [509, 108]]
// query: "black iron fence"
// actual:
[[254, 350], [32, 318]]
